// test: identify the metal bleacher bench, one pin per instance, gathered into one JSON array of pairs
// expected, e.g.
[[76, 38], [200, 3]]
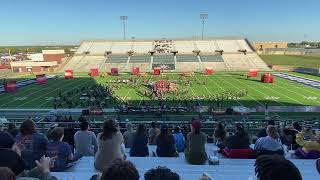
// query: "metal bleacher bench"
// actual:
[[228, 169]]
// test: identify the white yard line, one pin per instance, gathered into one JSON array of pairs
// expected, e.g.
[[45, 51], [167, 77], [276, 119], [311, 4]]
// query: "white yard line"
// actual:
[[45, 102], [223, 89], [240, 89], [258, 91], [43, 95]]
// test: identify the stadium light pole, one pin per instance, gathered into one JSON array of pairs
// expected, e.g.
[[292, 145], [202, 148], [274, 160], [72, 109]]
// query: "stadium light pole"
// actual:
[[203, 17], [124, 19]]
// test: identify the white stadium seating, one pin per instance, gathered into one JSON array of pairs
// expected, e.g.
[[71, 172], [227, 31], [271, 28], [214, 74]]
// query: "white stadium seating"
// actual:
[[184, 46], [228, 169], [231, 59]]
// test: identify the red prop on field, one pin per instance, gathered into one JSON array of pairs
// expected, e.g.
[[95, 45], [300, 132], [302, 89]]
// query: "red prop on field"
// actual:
[[114, 72], [68, 74], [135, 71], [10, 86], [156, 71], [208, 71], [253, 73], [41, 79], [94, 72], [267, 78]]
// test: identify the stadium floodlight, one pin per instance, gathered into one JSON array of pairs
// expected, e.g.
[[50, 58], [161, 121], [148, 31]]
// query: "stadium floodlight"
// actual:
[[124, 19], [203, 17]]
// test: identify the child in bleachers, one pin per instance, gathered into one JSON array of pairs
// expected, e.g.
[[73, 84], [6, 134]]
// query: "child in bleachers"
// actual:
[[60, 151], [179, 139]]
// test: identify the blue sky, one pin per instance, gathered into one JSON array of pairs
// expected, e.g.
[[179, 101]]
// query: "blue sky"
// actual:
[[35, 22]]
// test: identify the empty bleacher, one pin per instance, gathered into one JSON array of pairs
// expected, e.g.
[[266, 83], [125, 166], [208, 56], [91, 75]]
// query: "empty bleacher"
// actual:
[[211, 58], [100, 48], [121, 47], [231, 59], [206, 46], [117, 59], [228, 46], [184, 46], [140, 58], [142, 47], [84, 63], [187, 58], [228, 169], [163, 58]]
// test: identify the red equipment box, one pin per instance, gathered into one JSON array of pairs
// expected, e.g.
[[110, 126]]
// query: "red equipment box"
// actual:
[[253, 73], [135, 71], [10, 86], [68, 74], [114, 72], [41, 79], [267, 78], [208, 71], [94, 72], [156, 71]]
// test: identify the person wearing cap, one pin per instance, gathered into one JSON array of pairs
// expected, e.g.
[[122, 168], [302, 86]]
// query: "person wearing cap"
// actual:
[[128, 135], [195, 152], [165, 143]]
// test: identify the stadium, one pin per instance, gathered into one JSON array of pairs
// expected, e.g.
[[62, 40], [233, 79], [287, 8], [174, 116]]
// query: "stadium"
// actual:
[[218, 95]]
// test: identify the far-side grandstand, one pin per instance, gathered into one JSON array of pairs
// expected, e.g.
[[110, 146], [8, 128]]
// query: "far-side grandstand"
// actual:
[[175, 55]]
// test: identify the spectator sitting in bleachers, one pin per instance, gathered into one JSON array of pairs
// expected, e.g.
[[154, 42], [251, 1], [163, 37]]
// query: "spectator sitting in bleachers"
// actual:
[[85, 141], [310, 148], [119, 170], [109, 146], [140, 142], [270, 144], [195, 152], [10, 155], [262, 132], [60, 151], [128, 135], [12, 129], [179, 139], [161, 173], [220, 135], [276, 168], [153, 133], [69, 133], [238, 145], [32, 144], [165, 143], [41, 172]]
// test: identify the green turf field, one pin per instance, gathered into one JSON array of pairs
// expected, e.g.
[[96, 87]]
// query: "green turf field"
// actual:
[[281, 93], [290, 60]]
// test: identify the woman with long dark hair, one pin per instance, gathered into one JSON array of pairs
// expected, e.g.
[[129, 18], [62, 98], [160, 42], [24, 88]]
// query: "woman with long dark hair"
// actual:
[[240, 140], [165, 143], [109, 146], [140, 143], [32, 144]]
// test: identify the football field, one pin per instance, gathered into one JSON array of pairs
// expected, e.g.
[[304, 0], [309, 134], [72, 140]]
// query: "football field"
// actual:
[[201, 89]]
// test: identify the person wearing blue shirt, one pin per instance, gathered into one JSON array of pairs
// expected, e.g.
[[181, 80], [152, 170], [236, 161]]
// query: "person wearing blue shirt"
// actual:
[[32, 144], [59, 151], [179, 139]]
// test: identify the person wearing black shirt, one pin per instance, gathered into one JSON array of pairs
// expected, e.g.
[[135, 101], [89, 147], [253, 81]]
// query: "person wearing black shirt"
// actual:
[[8, 157]]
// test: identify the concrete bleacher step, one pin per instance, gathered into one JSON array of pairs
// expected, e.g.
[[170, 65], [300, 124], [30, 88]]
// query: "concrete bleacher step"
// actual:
[[228, 169]]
